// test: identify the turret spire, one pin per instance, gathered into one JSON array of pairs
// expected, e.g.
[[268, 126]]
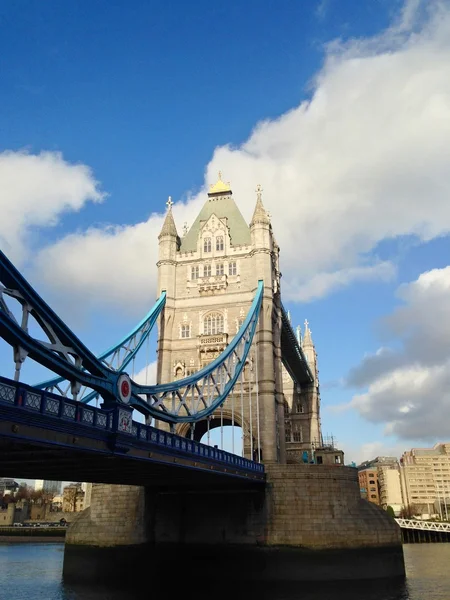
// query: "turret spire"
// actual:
[[169, 227], [260, 215], [307, 339]]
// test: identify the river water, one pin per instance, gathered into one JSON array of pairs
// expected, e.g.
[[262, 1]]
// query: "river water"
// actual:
[[33, 572]]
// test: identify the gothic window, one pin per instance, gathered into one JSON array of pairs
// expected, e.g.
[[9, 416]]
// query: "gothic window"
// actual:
[[298, 433], [185, 331], [232, 268], [219, 242], [287, 431], [178, 373], [213, 323], [299, 407], [195, 272], [219, 269], [207, 271], [207, 244]]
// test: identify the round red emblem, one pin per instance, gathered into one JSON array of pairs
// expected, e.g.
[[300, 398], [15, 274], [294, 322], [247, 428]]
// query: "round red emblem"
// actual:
[[125, 388]]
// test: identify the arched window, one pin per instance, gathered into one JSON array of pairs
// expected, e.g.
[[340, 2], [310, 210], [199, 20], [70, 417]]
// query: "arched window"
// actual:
[[219, 242], [213, 323], [207, 244], [298, 433], [288, 431]]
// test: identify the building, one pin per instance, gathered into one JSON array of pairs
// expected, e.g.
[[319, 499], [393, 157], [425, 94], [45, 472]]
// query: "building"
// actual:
[[390, 488], [8, 486], [52, 487], [379, 481], [425, 479], [209, 276], [368, 483], [73, 498]]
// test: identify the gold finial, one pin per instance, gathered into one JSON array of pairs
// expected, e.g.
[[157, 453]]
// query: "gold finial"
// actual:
[[259, 191], [169, 203], [220, 186]]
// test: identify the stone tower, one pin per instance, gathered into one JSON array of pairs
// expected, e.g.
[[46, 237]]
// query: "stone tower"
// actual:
[[302, 407], [210, 276]]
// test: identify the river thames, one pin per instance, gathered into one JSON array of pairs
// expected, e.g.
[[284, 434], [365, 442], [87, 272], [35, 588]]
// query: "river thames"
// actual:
[[34, 571]]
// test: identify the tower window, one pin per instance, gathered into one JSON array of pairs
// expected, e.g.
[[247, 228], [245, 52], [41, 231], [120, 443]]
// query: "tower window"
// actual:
[[207, 244], [219, 242], [185, 331], [219, 269], [195, 272], [213, 323], [232, 268], [207, 271], [287, 431], [298, 433], [299, 408]]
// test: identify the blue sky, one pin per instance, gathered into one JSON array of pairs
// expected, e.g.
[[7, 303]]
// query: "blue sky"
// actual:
[[341, 110]]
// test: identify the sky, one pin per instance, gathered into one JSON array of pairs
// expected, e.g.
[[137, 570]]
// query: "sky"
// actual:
[[340, 110]]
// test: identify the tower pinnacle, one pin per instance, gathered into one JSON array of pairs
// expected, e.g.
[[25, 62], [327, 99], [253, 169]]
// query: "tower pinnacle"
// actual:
[[169, 227], [307, 339], [220, 187], [260, 215]]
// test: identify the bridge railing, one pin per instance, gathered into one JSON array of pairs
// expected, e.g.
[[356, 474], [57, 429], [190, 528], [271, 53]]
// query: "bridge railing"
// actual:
[[117, 420]]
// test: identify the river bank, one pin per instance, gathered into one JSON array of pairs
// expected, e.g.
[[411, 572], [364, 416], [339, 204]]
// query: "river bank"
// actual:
[[32, 535]]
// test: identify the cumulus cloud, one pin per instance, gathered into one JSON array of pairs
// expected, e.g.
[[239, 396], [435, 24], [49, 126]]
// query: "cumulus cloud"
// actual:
[[409, 388], [365, 159], [35, 190]]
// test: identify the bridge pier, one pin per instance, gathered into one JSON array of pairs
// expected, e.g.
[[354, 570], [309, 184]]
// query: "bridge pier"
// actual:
[[307, 524]]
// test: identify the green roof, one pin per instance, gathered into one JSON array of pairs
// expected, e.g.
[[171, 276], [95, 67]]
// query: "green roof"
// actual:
[[221, 206]]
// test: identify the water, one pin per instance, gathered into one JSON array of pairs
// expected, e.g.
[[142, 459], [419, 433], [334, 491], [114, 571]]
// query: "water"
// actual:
[[33, 572]]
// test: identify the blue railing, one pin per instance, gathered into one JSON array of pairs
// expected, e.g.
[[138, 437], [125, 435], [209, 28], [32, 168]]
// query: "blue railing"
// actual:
[[116, 420]]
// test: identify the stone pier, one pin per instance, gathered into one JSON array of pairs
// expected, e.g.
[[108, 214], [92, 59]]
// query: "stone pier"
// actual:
[[308, 523]]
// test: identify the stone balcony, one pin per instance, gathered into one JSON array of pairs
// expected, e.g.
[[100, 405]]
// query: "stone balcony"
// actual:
[[212, 284], [215, 343]]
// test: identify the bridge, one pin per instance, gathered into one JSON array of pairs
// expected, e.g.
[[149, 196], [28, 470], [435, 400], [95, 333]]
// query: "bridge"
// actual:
[[227, 355], [415, 530]]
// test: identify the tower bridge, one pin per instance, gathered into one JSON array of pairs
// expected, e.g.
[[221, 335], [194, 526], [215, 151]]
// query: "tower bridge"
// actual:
[[226, 355]]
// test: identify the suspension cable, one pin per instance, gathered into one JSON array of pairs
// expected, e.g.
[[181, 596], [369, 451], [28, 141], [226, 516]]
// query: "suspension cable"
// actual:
[[250, 379], [221, 426], [232, 413], [146, 361], [257, 406], [242, 409]]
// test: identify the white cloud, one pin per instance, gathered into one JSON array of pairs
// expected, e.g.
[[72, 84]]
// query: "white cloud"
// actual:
[[409, 389], [35, 189], [147, 375], [322, 284], [364, 160]]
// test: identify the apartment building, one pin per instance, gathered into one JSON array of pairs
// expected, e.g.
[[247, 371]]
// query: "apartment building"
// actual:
[[425, 479]]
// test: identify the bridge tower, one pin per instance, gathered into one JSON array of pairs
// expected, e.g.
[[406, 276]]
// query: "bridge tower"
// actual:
[[210, 276]]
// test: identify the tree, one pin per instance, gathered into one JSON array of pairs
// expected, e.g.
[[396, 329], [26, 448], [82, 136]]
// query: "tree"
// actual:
[[390, 512], [408, 512]]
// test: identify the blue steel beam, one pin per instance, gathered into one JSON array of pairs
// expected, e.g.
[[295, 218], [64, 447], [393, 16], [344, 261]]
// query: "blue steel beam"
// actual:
[[187, 400], [210, 386], [45, 317], [144, 328]]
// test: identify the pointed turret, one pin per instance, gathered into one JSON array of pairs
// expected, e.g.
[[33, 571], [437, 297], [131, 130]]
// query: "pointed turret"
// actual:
[[307, 339], [169, 227], [169, 245], [260, 215]]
